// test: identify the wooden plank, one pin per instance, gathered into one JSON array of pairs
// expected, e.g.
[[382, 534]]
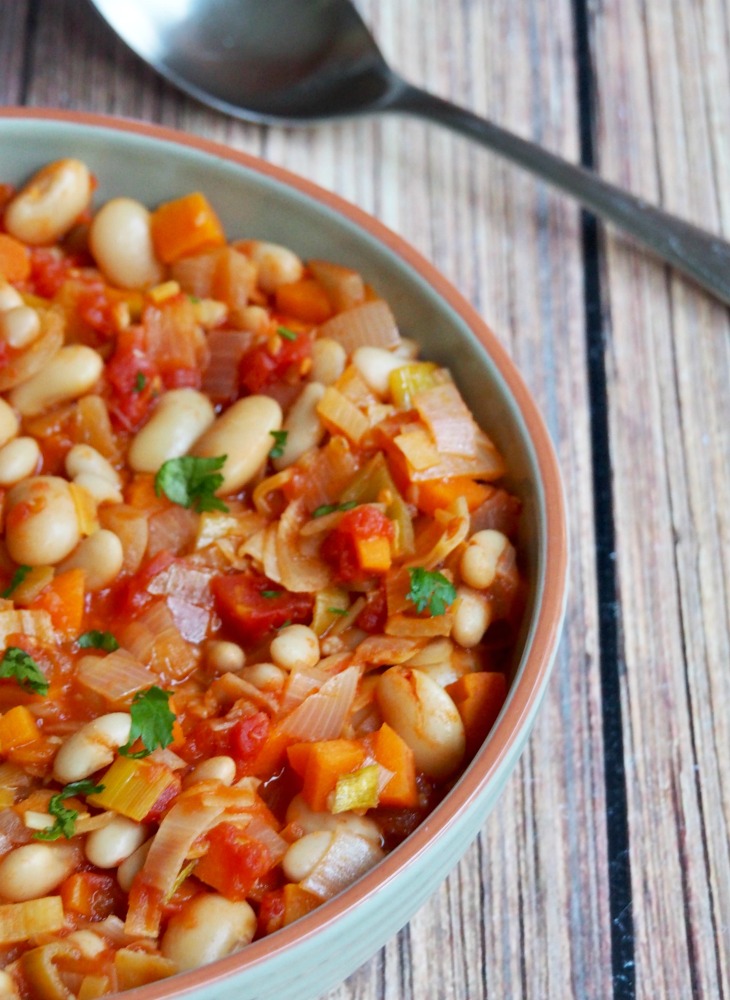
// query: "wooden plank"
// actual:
[[663, 114]]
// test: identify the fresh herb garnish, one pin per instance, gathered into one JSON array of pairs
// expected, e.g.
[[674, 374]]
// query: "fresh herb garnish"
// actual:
[[98, 640], [430, 590], [271, 593], [192, 482], [65, 818], [330, 508], [285, 624], [286, 333], [152, 722], [140, 382], [338, 611], [21, 665], [18, 576], [279, 443]]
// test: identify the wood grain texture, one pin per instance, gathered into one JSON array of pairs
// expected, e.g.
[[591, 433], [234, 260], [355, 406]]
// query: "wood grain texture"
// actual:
[[528, 912]]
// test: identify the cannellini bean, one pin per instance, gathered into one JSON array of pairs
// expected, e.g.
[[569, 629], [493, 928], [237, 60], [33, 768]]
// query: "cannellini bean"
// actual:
[[265, 676], [91, 747], [132, 866], [100, 556], [220, 768], [89, 944], [8, 986], [181, 416], [304, 429], [472, 615], [310, 821], [407, 349], [222, 657], [102, 490], [206, 928], [255, 319], [41, 525], [375, 365], [72, 372], [19, 326], [121, 243], [108, 846], [423, 715], [479, 559], [328, 360], [18, 459], [304, 854], [277, 265], [243, 433], [50, 203], [10, 297], [9, 423], [33, 870], [295, 646], [83, 459]]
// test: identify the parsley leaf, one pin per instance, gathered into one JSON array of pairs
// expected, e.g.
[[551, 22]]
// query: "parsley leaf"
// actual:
[[286, 333], [18, 576], [20, 665], [330, 508], [192, 482], [65, 818], [338, 611], [140, 382], [152, 722], [98, 640], [271, 593], [430, 590], [279, 443]]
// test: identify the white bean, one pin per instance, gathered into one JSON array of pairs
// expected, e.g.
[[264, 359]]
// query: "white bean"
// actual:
[[72, 372], [179, 419], [91, 747], [222, 768], [9, 423], [8, 987], [277, 264], [295, 646], [108, 846], [472, 615], [423, 715], [83, 459], [121, 242], [18, 460], [304, 854], [102, 490], [100, 556], [33, 870], [265, 676], [304, 429], [243, 434], [132, 866], [223, 657], [407, 349], [375, 365], [311, 821], [255, 319], [19, 327], [49, 204], [479, 559], [329, 358], [41, 525], [206, 928], [10, 297]]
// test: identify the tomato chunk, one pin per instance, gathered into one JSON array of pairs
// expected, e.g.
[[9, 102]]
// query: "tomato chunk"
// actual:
[[134, 381], [233, 862], [252, 606], [281, 358], [360, 544]]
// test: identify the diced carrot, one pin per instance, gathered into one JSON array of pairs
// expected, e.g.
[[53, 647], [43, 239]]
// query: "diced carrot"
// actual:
[[394, 754], [439, 494], [17, 728], [373, 554], [14, 258], [325, 761], [63, 599], [271, 755], [305, 300], [90, 894], [479, 698], [185, 226], [297, 902], [140, 493]]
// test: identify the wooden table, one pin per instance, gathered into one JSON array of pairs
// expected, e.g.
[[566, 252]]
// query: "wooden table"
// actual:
[[605, 870]]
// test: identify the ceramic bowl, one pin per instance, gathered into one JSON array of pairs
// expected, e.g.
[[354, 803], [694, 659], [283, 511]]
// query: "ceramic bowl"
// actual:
[[257, 200]]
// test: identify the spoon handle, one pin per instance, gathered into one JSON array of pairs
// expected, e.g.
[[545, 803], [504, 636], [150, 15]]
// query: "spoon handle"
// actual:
[[700, 254]]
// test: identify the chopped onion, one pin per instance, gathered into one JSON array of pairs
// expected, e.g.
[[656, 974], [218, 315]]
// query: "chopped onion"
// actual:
[[182, 580], [172, 530], [220, 378], [116, 677], [448, 418], [379, 650], [322, 715], [341, 416], [192, 621], [301, 569], [371, 323], [32, 624], [300, 683], [347, 858]]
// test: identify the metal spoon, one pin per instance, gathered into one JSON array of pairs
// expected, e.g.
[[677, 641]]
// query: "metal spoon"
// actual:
[[300, 61]]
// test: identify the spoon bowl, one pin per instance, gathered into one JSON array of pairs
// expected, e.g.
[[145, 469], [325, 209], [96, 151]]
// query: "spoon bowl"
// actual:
[[296, 62]]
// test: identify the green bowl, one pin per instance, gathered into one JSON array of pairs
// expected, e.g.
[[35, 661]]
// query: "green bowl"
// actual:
[[257, 200]]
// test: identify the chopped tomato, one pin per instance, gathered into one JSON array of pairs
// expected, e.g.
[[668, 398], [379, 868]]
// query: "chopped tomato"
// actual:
[[271, 912], [132, 594], [277, 360], [252, 606], [48, 271], [248, 736], [233, 862], [343, 549], [373, 616], [133, 380]]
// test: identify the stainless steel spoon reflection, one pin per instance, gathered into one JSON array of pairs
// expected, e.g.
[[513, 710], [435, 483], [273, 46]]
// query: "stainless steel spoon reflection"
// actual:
[[294, 62]]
